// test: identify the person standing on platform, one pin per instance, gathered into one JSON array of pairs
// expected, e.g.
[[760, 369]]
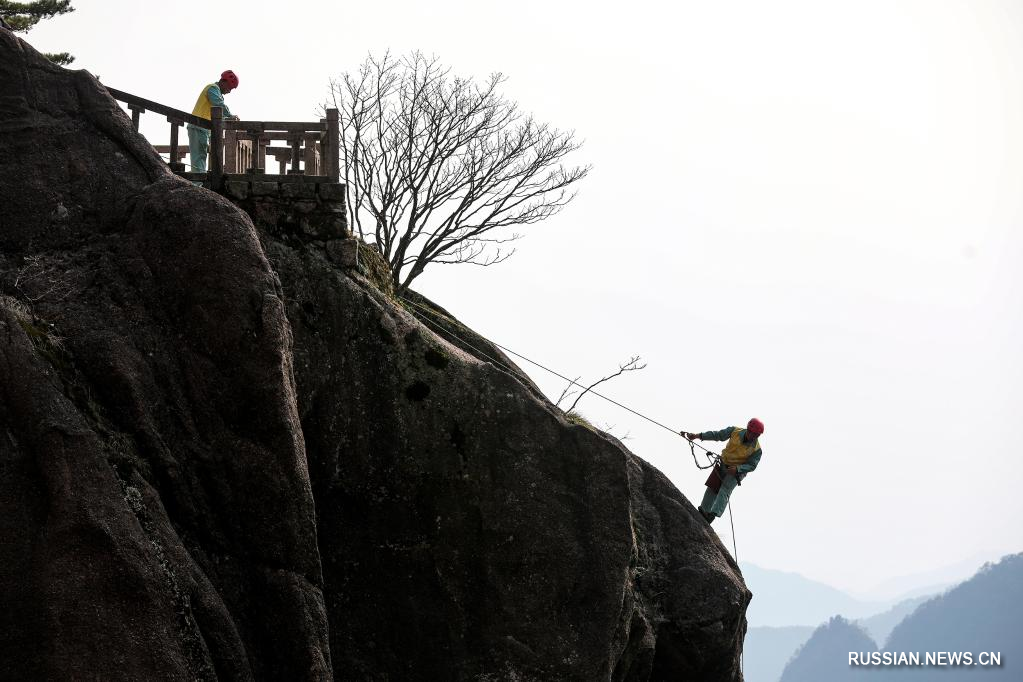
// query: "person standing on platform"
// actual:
[[211, 96]]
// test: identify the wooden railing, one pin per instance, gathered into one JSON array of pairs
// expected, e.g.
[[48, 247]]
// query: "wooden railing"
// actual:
[[242, 146], [138, 106]]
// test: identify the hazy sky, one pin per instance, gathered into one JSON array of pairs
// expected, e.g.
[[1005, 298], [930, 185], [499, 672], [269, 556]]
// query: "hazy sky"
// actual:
[[807, 211]]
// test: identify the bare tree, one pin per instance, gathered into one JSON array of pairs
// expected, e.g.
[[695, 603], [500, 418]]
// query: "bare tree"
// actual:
[[437, 165]]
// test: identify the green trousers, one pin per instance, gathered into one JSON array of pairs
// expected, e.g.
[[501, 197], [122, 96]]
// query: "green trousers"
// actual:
[[716, 502], [198, 147]]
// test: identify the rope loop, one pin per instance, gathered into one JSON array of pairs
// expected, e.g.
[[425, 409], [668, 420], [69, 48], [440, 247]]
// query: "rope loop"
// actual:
[[713, 457]]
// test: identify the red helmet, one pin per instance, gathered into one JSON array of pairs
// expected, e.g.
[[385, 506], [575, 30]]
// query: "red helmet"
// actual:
[[755, 426], [232, 80]]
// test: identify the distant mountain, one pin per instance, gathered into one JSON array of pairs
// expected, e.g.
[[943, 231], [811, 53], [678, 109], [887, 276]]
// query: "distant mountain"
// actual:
[[783, 599], [767, 650], [928, 582], [880, 626], [825, 656], [983, 614]]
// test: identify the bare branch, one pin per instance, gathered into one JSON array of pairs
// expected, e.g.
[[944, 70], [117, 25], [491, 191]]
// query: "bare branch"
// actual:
[[631, 366], [37, 280], [567, 393]]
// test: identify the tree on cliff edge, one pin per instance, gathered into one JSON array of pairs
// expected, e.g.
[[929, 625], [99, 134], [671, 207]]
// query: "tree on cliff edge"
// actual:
[[438, 167], [22, 16]]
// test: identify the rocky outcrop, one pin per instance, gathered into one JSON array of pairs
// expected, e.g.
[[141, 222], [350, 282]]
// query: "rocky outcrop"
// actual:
[[224, 456], [161, 519]]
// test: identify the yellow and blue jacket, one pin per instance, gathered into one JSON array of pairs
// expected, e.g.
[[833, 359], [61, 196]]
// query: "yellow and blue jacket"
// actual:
[[743, 456], [210, 97]]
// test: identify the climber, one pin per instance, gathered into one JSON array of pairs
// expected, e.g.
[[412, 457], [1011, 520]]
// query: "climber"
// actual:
[[739, 457], [211, 96]]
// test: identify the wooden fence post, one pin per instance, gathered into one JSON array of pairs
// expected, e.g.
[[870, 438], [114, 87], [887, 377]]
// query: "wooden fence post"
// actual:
[[334, 149], [296, 154], [310, 155], [230, 151], [321, 149], [245, 154], [215, 175], [175, 164], [257, 161], [260, 144], [136, 111]]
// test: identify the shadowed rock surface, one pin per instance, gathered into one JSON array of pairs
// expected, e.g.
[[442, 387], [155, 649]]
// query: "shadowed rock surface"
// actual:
[[224, 457]]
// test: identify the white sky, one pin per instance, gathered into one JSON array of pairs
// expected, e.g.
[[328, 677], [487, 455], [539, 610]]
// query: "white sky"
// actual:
[[808, 211]]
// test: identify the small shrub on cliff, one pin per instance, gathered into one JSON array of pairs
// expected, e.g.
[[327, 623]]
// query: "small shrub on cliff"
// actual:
[[576, 418]]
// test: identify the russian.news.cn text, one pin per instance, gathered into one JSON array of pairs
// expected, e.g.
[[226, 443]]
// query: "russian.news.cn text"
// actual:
[[943, 659]]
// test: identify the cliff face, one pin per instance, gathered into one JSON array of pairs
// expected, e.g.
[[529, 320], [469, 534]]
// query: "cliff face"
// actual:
[[224, 457]]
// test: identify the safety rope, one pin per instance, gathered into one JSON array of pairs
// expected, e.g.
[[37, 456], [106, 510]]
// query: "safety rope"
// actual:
[[543, 367], [735, 553], [714, 457], [735, 549], [497, 364]]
